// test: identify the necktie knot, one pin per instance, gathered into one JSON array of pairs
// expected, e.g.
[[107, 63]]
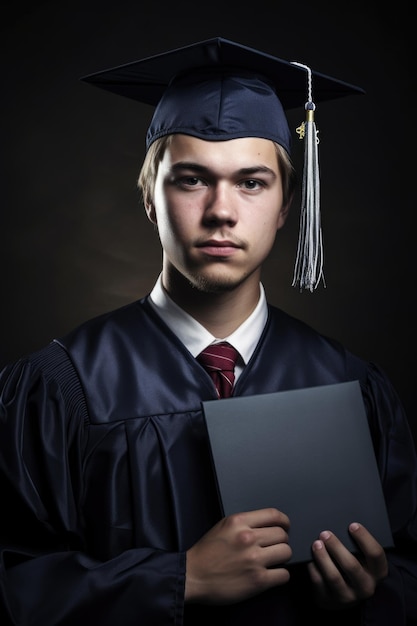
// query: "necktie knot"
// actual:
[[219, 360]]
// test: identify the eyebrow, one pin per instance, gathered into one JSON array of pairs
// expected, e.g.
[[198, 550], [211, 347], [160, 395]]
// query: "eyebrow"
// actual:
[[244, 171]]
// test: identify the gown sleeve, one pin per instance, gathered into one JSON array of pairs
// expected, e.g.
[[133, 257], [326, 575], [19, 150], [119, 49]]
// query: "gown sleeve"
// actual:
[[395, 600], [47, 575]]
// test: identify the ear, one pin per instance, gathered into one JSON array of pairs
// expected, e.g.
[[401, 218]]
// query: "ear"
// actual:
[[150, 212], [283, 214]]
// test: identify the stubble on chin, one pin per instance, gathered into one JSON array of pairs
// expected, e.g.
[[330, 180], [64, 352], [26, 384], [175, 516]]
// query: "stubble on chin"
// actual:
[[215, 284]]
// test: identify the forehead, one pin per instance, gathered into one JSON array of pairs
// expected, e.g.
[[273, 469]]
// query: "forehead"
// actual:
[[236, 153]]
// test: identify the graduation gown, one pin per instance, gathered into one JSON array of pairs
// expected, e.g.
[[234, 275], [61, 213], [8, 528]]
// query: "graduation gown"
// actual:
[[106, 478]]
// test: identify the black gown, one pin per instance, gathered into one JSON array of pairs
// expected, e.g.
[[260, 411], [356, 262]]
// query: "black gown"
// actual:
[[106, 478]]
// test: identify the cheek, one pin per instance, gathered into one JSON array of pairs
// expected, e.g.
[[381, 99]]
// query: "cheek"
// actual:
[[264, 232], [176, 217], [163, 213], [268, 222], [266, 238], [173, 227], [165, 228]]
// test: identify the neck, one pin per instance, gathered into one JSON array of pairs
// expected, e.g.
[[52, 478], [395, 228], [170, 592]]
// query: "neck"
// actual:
[[220, 313]]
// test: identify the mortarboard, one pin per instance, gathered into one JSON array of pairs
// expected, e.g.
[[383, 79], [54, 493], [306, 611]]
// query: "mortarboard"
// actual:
[[218, 90]]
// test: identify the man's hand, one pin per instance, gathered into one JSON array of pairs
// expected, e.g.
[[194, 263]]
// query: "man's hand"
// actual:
[[238, 558], [342, 579]]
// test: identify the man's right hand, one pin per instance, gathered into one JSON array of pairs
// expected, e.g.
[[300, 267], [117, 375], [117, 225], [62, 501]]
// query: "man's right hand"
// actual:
[[241, 556]]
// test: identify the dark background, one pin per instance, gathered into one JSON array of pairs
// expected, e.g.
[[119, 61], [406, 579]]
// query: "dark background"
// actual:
[[74, 238]]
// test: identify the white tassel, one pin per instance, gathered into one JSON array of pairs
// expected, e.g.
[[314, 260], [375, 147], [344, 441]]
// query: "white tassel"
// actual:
[[309, 262]]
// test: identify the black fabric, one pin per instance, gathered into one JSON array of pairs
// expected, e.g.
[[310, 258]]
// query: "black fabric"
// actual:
[[217, 90], [105, 469], [147, 79]]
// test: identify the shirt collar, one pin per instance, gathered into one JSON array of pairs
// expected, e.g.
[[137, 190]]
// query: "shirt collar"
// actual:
[[195, 337]]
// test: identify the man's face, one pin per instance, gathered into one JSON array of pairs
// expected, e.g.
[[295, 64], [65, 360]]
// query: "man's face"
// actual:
[[217, 206]]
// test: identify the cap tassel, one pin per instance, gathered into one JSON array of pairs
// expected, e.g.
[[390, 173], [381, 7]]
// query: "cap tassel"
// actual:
[[309, 260]]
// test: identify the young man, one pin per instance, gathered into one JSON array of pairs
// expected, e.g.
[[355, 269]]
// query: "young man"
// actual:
[[112, 513]]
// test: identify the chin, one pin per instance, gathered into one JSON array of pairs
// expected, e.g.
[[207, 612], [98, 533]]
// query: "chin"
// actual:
[[214, 284]]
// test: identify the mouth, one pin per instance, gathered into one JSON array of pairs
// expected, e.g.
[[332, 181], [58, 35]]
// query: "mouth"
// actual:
[[218, 247]]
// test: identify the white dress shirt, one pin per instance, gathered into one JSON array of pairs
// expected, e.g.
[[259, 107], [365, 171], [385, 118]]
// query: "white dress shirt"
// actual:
[[195, 337]]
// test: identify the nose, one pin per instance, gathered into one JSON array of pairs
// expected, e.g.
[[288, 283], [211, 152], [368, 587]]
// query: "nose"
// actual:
[[220, 206]]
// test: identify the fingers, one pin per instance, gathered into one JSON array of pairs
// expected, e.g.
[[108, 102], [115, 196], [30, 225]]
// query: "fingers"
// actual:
[[271, 525], [369, 561], [328, 571], [242, 555], [343, 578], [263, 517], [373, 553], [265, 529]]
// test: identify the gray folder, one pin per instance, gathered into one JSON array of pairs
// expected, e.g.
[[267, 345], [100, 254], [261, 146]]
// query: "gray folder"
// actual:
[[307, 452]]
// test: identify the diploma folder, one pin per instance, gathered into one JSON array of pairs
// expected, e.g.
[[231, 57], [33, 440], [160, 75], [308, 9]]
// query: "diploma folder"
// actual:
[[307, 452]]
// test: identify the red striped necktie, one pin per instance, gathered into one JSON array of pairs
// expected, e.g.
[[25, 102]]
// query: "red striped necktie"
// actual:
[[219, 360]]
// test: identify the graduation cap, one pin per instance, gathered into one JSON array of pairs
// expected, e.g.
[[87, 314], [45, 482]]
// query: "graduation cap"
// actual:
[[218, 90]]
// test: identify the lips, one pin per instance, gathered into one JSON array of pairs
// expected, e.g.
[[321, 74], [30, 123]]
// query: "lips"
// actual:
[[219, 248]]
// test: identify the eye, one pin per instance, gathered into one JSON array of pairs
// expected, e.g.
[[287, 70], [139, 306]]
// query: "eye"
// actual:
[[189, 181], [251, 184]]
